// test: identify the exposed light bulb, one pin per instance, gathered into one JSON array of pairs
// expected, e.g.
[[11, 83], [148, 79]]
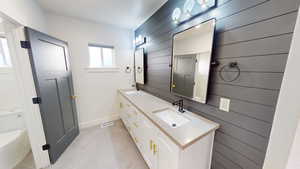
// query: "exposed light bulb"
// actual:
[[176, 15], [201, 2], [188, 6]]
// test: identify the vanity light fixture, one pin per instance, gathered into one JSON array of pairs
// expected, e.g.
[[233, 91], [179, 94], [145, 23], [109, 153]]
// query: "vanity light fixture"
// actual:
[[176, 15], [202, 2], [139, 40], [190, 9]]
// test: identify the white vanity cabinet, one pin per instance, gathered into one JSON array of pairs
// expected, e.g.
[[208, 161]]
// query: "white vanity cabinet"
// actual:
[[157, 148]]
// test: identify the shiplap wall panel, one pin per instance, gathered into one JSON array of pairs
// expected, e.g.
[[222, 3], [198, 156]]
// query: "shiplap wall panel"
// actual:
[[275, 26], [252, 154], [271, 81], [256, 111], [255, 33], [264, 63]]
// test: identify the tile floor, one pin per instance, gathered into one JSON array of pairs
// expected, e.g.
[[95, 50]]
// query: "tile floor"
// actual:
[[97, 148]]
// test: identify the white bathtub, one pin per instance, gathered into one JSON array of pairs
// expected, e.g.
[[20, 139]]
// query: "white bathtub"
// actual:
[[14, 144]]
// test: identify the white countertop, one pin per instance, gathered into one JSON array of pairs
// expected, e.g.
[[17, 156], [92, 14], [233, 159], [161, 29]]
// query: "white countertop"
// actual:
[[184, 135]]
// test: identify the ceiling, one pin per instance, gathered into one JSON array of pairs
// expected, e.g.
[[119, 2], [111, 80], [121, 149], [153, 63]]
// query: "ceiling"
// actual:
[[122, 13]]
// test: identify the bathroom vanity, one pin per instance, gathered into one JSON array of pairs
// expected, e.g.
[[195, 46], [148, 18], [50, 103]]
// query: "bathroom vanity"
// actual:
[[166, 138]]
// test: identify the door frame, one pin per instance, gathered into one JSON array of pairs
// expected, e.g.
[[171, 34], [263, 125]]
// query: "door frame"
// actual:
[[32, 115]]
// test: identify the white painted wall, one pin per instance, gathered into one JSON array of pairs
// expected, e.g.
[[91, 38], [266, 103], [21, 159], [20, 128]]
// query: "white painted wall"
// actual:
[[287, 112], [9, 91], [96, 91], [294, 162], [25, 12]]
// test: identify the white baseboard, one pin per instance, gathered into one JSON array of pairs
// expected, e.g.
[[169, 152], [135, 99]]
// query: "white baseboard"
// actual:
[[96, 122]]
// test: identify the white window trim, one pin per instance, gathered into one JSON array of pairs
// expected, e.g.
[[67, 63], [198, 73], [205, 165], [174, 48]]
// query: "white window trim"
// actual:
[[113, 68]]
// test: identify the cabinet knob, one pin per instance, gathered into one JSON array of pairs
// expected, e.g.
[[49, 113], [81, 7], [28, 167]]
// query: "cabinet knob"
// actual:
[[151, 145], [155, 149]]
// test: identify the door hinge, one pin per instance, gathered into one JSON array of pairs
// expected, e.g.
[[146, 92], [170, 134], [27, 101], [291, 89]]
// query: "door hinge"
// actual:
[[46, 147], [25, 44], [36, 100]]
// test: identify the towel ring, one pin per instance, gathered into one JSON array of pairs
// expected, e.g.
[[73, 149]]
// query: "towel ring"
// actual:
[[231, 65]]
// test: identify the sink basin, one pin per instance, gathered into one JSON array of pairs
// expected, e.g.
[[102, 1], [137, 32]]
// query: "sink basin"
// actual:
[[171, 117]]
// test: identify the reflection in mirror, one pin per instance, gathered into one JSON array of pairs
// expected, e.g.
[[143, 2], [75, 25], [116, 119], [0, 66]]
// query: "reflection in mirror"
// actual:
[[192, 51]]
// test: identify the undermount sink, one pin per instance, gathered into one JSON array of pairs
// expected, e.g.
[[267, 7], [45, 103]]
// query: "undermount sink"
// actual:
[[171, 117]]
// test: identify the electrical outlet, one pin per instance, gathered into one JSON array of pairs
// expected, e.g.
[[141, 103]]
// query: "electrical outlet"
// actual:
[[225, 104]]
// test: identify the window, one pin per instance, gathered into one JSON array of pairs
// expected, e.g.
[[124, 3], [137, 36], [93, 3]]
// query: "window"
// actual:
[[101, 56], [4, 53]]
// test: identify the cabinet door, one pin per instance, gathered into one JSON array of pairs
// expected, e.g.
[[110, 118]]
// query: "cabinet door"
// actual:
[[122, 110], [166, 153], [148, 139], [137, 129]]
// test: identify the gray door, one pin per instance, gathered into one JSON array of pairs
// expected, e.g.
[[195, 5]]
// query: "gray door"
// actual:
[[49, 59], [184, 75]]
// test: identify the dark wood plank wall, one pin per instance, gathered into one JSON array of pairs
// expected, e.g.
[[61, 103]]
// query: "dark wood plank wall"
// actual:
[[257, 34]]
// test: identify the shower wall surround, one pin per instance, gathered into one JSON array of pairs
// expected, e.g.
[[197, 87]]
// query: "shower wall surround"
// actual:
[[255, 33]]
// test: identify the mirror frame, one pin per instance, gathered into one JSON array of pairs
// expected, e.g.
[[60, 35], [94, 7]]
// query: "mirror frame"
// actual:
[[144, 65], [209, 70]]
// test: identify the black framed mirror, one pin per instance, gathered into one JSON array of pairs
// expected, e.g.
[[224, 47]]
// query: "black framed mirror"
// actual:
[[192, 51]]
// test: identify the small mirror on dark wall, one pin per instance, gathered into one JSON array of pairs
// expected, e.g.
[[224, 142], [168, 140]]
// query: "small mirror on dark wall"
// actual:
[[139, 66], [192, 50]]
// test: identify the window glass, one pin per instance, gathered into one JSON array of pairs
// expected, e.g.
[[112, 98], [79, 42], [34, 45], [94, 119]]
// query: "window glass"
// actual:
[[4, 53], [95, 56], [107, 57], [101, 56]]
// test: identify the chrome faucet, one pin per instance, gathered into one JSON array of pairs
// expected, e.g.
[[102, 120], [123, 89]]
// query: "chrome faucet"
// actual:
[[180, 104]]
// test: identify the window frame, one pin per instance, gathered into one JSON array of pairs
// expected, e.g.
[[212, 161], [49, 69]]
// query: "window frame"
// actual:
[[112, 67]]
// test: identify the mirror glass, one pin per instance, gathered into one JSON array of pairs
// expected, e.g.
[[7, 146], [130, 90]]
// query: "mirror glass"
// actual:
[[192, 50]]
